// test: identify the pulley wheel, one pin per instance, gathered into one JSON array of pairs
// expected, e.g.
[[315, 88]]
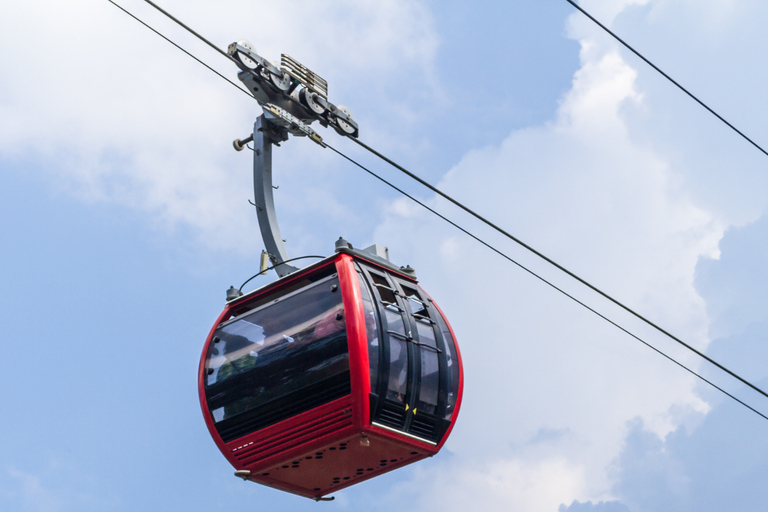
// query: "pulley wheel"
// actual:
[[247, 61], [309, 100], [345, 127]]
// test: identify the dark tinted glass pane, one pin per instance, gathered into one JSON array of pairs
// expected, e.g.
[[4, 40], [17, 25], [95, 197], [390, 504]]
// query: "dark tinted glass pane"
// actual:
[[372, 333], [395, 321], [453, 367], [426, 333], [387, 295], [384, 288], [380, 280], [282, 359], [418, 307], [235, 352], [398, 369], [430, 381], [411, 292]]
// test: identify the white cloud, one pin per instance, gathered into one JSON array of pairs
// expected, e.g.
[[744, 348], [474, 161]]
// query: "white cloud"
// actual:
[[539, 486], [606, 12], [33, 494], [591, 194], [625, 186], [709, 48], [116, 114]]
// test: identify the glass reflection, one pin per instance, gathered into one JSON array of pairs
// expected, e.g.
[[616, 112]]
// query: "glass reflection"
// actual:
[[372, 333], [277, 354]]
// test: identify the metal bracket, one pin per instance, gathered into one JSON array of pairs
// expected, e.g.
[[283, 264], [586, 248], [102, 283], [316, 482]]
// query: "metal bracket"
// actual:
[[292, 97], [265, 134], [294, 88]]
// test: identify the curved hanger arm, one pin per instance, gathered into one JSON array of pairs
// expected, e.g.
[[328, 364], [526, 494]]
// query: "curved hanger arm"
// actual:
[[265, 134]]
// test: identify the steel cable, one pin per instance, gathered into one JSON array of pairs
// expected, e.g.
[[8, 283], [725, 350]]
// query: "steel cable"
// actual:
[[500, 230]]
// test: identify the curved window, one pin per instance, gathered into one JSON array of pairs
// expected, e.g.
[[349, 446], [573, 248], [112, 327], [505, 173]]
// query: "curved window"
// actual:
[[452, 377], [430, 370], [418, 377], [279, 360], [371, 330]]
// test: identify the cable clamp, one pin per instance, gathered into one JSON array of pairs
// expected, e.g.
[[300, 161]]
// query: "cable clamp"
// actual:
[[294, 125]]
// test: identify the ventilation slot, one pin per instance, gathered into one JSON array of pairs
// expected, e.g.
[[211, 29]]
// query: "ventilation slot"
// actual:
[[392, 415], [424, 426]]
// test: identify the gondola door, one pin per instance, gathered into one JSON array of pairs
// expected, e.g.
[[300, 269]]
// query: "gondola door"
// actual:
[[410, 392]]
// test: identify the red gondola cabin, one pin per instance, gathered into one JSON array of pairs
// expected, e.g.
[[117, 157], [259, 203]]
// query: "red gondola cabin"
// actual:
[[331, 375]]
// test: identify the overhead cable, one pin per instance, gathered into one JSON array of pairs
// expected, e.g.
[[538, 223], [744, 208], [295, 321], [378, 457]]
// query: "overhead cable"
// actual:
[[654, 66], [179, 47], [511, 237], [544, 280], [562, 268], [153, 4]]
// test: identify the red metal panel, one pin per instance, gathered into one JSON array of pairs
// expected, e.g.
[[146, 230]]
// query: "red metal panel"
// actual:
[[337, 465], [357, 340], [291, 437]]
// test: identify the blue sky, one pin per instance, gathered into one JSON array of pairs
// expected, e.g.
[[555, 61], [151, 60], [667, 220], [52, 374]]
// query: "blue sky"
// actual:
[[125, 218]]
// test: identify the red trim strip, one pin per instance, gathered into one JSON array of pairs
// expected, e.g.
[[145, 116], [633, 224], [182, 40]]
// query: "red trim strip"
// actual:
[[357, 340]]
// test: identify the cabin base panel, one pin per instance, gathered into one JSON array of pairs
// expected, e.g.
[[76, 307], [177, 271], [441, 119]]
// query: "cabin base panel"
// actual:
[[337, 465]]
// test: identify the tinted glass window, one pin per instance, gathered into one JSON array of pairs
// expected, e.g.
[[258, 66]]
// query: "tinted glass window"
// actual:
[[426, 333], [397, 383], [395, 321], [398, 369], [453, 366], [419, 374], [280, 360], [430, 370], [372, 332], [418, 308], [430, 382]]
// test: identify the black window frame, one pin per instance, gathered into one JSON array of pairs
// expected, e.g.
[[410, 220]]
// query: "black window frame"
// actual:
[[392, 414]]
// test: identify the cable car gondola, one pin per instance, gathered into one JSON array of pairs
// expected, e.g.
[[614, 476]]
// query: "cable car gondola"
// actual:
[[335, 373], [332, 375]]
